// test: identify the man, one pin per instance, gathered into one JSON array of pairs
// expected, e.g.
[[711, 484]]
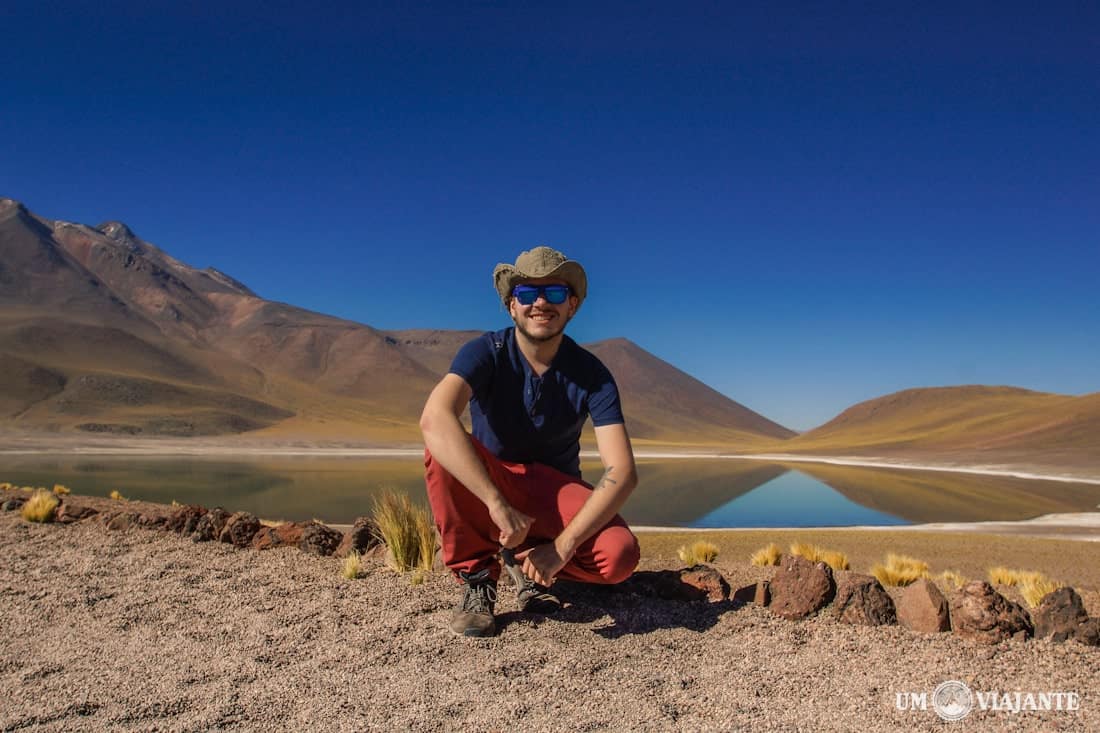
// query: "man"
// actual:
[[516, 483]]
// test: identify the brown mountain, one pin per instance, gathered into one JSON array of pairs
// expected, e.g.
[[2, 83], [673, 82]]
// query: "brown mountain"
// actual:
[[970, 422], [102, 331]]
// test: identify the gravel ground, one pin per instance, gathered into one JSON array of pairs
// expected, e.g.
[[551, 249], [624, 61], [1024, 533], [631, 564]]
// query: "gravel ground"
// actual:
[[143, 630]]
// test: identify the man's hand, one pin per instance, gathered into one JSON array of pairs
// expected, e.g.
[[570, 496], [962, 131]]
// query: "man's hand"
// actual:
[[513, 523], [542, 562]]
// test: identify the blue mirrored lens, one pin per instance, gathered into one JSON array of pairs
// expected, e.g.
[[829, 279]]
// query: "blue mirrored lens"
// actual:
[[528, 294]]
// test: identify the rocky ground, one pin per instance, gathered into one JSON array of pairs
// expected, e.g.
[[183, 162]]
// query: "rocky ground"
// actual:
[[140, 629]]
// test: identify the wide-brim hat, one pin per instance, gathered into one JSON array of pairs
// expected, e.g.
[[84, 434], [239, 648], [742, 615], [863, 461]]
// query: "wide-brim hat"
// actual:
[[538, 263]]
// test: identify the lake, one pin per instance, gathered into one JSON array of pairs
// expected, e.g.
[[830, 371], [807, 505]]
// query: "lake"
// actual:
[[685, 492]]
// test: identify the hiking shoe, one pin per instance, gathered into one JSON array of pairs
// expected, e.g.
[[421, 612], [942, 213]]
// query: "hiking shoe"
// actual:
[[474, 615], [534, 598]]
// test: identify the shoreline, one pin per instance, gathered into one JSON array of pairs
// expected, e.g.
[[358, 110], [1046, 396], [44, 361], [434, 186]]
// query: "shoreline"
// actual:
[[150, 449]]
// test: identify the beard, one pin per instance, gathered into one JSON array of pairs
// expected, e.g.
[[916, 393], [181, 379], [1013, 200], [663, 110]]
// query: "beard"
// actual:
[[540, 339]]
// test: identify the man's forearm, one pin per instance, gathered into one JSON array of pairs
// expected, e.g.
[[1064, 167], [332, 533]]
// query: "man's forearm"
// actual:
[[450, 446], [608, 497]]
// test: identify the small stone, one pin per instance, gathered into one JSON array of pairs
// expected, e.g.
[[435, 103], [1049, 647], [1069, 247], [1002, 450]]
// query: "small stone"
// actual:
[[240, 529], [981, 613], [319, 539], [288, 533], [923, 608], [708, 581], [800, 588], [210, 525], [13, 503], [360, 538], [763, 595], [1058, 615], [69, 513], [861, 599]]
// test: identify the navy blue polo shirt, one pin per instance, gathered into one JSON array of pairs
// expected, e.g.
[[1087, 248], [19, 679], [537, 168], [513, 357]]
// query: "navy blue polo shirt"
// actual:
[[524, 418]]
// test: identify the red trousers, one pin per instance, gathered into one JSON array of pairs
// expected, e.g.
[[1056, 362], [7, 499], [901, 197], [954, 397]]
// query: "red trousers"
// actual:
[[471, 540]]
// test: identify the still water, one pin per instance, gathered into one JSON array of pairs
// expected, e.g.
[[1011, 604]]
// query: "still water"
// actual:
[[677, 492]]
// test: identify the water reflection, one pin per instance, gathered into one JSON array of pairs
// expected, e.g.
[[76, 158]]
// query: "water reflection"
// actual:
[[678, 492]]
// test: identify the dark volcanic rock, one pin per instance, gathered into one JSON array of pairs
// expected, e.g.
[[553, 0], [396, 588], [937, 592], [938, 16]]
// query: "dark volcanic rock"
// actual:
[[152, 521], [240, 529], [981, 613], [706, 580], [16, 502], [923, 608], [288, 533], [360, 538], [122, 520], [1061, 615], [185, 518], [861, 599], [319, 539], [69, 513], [801, 587], [210, 525]]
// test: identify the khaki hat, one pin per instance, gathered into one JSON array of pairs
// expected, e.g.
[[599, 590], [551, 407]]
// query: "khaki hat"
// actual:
[[536, 263]]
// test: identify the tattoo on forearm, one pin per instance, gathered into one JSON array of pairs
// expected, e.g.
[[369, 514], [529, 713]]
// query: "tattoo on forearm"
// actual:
[[606, 480]]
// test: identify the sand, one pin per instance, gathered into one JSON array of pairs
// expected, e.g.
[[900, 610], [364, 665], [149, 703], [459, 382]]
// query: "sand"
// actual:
[[143, 630]]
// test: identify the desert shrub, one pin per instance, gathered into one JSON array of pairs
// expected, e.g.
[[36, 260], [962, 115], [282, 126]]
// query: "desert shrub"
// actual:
[[698, 553], [834, 559], [1036, 587], [61, 490], [1006, 576], [116, 495], [353, 566], [407, 531], [952, 579], [40, 507], [900, 570], [766, 556]]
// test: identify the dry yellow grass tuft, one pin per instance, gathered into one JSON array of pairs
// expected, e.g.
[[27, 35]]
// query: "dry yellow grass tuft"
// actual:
[[117, 496], [408, 532], [5, 486], [61, 490], [951, 578], [1036, 588], [1005, 576], [698, 553], [766, 556], [834, 559], [272, 522], [900, 570], [40, 507], [352, 567]]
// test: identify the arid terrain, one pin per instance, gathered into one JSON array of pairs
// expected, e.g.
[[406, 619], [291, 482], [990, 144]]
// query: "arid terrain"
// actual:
[[139, 629]]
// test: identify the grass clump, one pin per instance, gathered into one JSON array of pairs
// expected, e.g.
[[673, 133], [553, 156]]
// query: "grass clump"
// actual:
[[833, 558], [61, 490], [900, 570], [116, 495], [408, 532], [6, 486], [698, 553], [766, 556], [40, 507], [1015, 578], [353, 566], [950, 578], [1036, 588]]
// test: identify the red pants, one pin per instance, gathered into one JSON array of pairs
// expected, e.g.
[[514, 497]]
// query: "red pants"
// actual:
[[471, 540]]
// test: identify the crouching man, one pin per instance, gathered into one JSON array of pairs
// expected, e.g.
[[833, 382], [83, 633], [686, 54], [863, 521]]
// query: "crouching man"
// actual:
[[516, 483]]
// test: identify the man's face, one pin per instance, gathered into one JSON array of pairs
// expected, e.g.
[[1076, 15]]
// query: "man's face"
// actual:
[[542, 320]]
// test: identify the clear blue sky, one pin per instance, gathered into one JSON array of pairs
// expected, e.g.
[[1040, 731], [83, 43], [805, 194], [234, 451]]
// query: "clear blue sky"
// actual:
[[805, 205]]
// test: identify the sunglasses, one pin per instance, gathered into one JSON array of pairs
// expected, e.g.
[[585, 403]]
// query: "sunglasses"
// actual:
[[528, 294]]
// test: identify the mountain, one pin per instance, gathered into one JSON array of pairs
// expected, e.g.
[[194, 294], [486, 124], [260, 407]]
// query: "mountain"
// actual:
[[967, 421], [102, 331]]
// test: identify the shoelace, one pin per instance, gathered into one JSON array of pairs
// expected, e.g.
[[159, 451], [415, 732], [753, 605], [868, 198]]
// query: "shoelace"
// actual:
[[480, 594]]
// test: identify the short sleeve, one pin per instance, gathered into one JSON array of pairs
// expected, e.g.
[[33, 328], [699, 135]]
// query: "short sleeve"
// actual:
[[474, 362], [603, 400]]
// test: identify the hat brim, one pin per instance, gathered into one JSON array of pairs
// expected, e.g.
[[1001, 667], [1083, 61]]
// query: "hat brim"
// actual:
[[506, 277]]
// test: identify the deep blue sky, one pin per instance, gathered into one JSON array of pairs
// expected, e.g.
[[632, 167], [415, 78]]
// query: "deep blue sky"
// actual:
[[805, 205]]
